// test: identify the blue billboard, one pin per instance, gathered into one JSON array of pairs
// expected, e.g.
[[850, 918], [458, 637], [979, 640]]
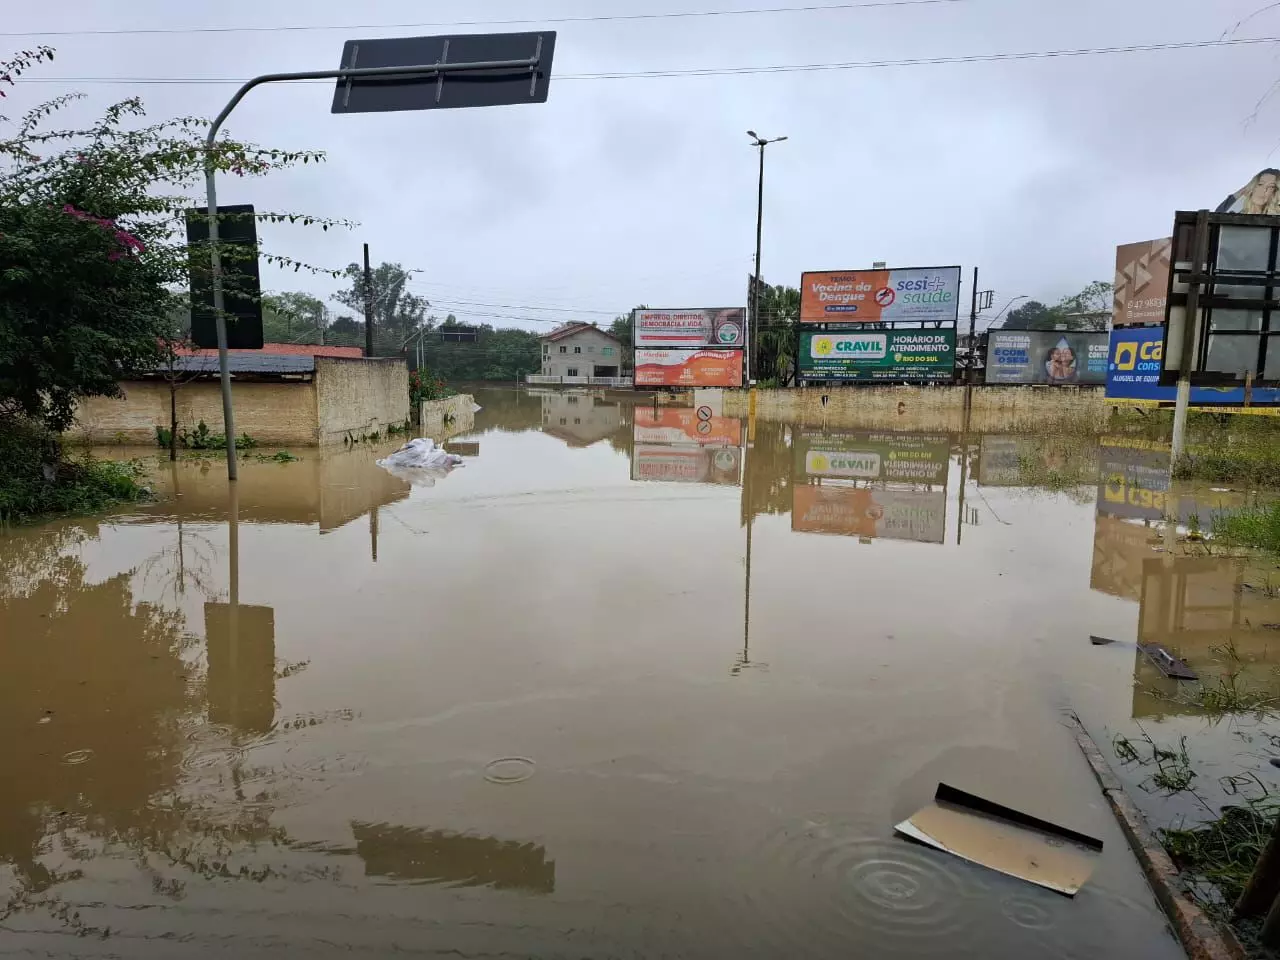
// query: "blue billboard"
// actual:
[[1134, 359]]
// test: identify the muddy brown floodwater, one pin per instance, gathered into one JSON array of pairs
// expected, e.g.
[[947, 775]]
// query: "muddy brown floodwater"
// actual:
[[620, 686]]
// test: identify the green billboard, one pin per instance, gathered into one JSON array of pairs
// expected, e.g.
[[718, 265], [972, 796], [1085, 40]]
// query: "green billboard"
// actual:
[[878, 355], [896, 457]]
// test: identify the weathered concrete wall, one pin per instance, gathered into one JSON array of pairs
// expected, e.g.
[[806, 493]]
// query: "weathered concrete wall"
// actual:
[[275, 414], [441, 419], [357, 398], [925, 408]]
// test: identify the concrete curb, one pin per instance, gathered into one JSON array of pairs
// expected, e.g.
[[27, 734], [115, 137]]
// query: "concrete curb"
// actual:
[[1201, 938]]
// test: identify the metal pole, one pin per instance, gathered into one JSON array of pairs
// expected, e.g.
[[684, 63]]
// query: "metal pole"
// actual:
[[1190, 329], [973, 323], [211, 193], [368, 305], [755, 287], [219, 316]]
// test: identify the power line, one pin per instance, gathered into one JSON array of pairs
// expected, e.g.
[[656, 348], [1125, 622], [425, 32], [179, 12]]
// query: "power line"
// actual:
[[773, 68], [592, 18]]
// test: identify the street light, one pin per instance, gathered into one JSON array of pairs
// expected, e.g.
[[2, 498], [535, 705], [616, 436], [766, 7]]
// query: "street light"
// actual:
[[761, 143], [1021, 296]]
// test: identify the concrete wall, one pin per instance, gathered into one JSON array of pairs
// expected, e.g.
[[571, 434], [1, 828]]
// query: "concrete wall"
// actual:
[[274, 414], [357, 398], [441, 419], [925, 408]]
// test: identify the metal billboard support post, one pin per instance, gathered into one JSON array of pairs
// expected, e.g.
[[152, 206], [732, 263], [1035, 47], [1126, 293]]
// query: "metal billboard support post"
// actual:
[[1190, 331], [415, 71]]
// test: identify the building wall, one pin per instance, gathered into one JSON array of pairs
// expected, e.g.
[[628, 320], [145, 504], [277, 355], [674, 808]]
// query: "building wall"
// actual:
[[281, 413], [357, 398], [442, 419], [592, 343], [925, 408]]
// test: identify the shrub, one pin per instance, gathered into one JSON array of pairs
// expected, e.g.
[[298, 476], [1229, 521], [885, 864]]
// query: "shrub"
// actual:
[[37, 479]]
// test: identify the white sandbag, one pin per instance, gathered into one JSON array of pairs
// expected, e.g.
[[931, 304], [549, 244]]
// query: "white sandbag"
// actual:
[[420, 454]]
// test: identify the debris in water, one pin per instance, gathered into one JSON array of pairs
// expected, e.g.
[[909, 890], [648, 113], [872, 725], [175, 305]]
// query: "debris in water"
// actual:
[[1099, 641], [1005, 840], [1167, 663]]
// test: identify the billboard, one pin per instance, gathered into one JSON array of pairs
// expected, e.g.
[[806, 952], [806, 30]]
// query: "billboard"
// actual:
[[686, 463], [878, 355], [929, 294], [1047, 357], [1134, 360], [897, 457], [1142, 282], [865, 512], [684, 425], [688, 368], [717, 327]]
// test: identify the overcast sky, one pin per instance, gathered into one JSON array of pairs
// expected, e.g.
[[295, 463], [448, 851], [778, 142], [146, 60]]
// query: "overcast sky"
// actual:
[[624, 191]]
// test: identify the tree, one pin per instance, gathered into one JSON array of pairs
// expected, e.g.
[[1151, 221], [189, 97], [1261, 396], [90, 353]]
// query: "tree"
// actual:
[[779, 321], [1032, 315], [621, 327], [293, 317], [1090, 309], [396, 311], [92, 245]]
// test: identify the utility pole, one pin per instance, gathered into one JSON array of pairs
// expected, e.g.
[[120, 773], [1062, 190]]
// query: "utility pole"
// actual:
[[754, 351], [973, 323], [368, 305]]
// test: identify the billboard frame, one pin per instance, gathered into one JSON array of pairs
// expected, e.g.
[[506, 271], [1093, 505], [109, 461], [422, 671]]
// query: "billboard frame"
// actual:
[[1191, 298], [741, 345], [1103, 335], [842, 324], [870, 329]]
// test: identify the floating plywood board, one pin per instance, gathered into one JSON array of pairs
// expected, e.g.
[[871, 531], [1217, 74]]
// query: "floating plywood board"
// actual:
[[1006, 840]]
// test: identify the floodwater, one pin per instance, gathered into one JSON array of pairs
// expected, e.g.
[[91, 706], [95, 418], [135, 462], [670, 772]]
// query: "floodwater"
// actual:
[[627, 684]]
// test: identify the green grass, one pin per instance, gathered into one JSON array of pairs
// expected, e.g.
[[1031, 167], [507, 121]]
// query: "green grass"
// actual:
[[1255, 526], [38, 479]]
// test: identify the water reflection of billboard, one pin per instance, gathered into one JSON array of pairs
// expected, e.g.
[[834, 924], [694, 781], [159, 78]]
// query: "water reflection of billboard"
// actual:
[[683, 425], [241, 682], [899, 457], [1133, 483], [866, 512], [686, 463], [1120, 547], [1046, 357], [688, 368], [998, 460]]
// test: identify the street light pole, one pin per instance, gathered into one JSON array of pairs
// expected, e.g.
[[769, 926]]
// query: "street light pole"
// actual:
[[754, 351], [415, 71]]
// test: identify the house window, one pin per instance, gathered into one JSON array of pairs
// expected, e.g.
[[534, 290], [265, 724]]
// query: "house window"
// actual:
[[577, 349], [563, 421], [591, 349], [607, 351], [577, 420], [564, 349], [571, 372], [546, 348]]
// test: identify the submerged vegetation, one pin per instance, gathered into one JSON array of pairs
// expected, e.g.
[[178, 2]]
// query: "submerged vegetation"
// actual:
[[1254, 526], [39, 479]]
